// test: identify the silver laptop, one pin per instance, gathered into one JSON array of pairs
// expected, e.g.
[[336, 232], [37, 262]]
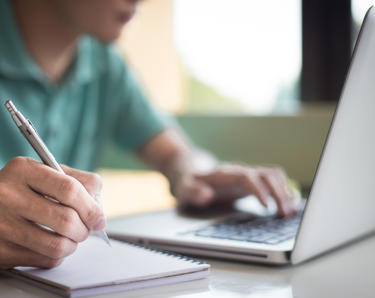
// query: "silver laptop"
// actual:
[[340, 208]]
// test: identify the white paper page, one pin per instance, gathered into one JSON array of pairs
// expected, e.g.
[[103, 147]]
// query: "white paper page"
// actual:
[[95, 263]]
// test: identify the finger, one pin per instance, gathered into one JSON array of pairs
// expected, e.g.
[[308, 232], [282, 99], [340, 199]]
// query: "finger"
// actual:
[[65, 189], [254, 184], [194, 193], [239, 181], [91, 181], [62, 219], [221, 177], [277, 191], [284, 181], [21, 256], [37, 239], [285, 189]]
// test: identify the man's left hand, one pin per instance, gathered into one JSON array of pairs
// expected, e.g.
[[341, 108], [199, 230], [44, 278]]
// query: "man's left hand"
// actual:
[[227, 183]]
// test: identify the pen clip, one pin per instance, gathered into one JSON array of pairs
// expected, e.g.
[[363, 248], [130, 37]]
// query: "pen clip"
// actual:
[[32, 126]]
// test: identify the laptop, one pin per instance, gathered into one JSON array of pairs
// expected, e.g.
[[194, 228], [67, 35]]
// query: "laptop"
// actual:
[[340, 207]]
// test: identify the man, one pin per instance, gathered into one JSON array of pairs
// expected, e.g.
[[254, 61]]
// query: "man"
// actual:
[[57, 66]]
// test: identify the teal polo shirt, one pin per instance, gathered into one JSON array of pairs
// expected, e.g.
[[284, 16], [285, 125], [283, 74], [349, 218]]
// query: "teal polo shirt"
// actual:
[[98, 101]]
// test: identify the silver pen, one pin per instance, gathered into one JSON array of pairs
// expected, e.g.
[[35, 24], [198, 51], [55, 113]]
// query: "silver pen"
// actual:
[[29, 132]]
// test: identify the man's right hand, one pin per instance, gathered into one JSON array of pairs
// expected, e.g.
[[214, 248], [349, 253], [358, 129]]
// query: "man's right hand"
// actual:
[[27, 188]]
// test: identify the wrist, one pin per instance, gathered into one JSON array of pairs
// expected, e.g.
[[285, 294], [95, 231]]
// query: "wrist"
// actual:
[[185, 165]]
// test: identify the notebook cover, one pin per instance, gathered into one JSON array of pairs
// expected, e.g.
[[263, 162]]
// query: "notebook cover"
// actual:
[[95, 268]]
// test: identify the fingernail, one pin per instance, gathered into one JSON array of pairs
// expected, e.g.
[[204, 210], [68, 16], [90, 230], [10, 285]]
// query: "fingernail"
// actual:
[[100, 225]]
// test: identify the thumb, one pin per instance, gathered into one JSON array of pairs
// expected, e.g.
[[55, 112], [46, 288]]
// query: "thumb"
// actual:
[[195, 193]]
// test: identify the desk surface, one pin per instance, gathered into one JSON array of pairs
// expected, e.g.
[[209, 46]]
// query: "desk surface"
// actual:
[[348, 272]]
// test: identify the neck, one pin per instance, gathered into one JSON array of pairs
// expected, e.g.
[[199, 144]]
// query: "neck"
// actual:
[[50, 42]]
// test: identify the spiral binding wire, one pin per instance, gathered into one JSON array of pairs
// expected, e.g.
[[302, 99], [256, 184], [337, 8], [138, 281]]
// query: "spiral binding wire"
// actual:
[[165, 252]]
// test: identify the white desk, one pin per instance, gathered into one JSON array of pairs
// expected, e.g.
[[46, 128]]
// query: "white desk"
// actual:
[[348, 272]]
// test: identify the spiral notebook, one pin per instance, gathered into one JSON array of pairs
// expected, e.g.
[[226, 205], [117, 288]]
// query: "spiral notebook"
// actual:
[[95, 268]]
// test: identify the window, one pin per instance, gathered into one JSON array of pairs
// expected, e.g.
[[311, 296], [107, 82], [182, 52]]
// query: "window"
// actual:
[[217, 56], [242, 56], [239, 55]]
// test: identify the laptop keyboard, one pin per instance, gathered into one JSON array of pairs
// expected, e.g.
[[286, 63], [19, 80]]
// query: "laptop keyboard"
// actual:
[[239, 227]]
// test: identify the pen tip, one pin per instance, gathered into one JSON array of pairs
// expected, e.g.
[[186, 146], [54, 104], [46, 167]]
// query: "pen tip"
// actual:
[[106, 239], [103, 235], [108, 242]]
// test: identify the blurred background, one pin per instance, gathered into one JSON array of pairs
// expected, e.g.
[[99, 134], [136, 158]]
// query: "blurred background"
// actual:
[[251, 81]]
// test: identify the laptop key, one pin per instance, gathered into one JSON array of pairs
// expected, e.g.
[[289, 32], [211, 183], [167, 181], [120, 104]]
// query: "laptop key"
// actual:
[[260, 230]]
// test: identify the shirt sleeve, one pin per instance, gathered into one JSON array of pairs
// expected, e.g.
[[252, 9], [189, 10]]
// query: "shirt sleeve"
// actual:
[[135, 120]]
